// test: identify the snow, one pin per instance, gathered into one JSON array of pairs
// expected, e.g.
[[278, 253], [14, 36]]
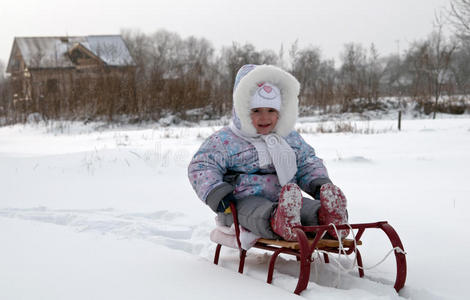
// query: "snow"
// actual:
[[96, 212], [49, 52], [111, 49]]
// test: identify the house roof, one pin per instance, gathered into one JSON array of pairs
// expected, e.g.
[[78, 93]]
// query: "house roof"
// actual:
[[52, 52]]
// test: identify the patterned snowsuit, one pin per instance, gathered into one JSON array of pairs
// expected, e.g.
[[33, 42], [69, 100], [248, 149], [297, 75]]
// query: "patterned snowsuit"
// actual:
[[226, 163]]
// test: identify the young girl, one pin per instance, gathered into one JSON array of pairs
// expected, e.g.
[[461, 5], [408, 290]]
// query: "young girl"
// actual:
[[261, 163]]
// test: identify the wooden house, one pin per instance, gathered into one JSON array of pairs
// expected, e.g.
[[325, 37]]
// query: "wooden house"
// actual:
[[57, 67]]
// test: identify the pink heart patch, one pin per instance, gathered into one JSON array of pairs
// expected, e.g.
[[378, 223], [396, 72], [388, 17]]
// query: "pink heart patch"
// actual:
[[268, 89]]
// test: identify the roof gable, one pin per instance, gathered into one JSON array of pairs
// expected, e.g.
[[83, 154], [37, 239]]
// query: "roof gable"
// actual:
[[79, 53]]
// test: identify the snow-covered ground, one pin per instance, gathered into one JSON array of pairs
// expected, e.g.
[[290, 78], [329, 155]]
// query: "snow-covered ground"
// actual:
[[108, 213]]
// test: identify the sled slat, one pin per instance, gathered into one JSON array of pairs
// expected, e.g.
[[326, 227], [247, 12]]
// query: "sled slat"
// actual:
[[323, 243]]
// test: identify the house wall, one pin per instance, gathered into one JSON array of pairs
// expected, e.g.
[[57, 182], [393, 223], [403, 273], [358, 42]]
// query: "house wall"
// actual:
[[89, 91], [20, 77]]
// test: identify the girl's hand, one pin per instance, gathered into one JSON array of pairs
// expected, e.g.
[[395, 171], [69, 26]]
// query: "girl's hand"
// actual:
[[224, 204]]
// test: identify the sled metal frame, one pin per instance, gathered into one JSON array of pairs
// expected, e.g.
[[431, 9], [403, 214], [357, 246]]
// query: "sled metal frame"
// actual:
[[304, 248]]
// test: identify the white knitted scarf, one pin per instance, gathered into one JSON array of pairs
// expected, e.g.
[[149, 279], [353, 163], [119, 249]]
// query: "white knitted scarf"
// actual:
[[272, 148]]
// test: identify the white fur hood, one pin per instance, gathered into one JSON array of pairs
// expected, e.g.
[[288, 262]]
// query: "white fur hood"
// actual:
[[248, 78]]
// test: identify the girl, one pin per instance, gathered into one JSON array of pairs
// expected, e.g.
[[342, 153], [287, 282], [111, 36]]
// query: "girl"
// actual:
[[261, 163]]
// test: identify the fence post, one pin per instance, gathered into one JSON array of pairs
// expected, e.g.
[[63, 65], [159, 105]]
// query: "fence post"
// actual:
[[399, 120]]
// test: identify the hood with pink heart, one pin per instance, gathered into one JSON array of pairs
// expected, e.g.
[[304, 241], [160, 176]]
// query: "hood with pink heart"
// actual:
[[265, 86]]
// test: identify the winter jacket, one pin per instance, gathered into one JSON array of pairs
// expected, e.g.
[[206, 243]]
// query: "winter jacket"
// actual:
[[226, 163]]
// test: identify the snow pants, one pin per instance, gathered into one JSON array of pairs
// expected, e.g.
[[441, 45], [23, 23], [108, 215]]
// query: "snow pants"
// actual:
[[254, 214]]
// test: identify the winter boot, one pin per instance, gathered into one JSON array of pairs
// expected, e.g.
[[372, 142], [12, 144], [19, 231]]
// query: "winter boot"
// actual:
[[287, 214], [333, 209]]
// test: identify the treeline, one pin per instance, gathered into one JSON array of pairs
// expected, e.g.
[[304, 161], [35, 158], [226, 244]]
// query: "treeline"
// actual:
[[189, 78], [178, 75]]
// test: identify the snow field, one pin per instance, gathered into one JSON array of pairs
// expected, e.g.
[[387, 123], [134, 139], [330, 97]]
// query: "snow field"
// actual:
[[109, 213]]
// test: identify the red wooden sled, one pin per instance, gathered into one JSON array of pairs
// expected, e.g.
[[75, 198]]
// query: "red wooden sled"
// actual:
[[304, 248]]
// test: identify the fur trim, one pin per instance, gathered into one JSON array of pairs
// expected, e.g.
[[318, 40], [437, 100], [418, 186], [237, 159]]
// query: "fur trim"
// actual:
[[289, 87]]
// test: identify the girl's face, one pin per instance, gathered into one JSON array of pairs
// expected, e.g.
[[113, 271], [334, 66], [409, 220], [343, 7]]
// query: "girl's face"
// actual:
[[264, 119]]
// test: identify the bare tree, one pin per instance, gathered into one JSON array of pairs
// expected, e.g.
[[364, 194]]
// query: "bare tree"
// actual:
[[430, 63], [140, 48], [374, 72], [440, 55], [197, 76], [459, 17], [460, 69], [306, 68], [175, 74], [353, 74], [315, 75], [238, 55], [395, 77]]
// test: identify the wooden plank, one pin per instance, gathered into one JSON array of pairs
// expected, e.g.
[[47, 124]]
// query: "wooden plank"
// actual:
[[324, 243]]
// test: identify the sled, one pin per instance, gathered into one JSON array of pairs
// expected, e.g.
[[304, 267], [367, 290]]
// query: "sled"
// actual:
[[304, 248]]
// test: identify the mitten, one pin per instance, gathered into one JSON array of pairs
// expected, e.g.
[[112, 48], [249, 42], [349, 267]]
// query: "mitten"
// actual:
[[224, 204]]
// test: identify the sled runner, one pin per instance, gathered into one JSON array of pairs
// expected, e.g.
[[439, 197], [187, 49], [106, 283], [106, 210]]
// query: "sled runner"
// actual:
[[304, 248]]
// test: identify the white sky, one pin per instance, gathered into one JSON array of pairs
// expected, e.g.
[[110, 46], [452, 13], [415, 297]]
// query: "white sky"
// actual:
[[327, 24]]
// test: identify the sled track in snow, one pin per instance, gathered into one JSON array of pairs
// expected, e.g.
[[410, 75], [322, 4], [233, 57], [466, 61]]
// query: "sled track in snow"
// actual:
[[161, 227], [170, 229]]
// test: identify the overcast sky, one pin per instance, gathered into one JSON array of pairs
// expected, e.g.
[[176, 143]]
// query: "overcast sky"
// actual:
[[327, 24]]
